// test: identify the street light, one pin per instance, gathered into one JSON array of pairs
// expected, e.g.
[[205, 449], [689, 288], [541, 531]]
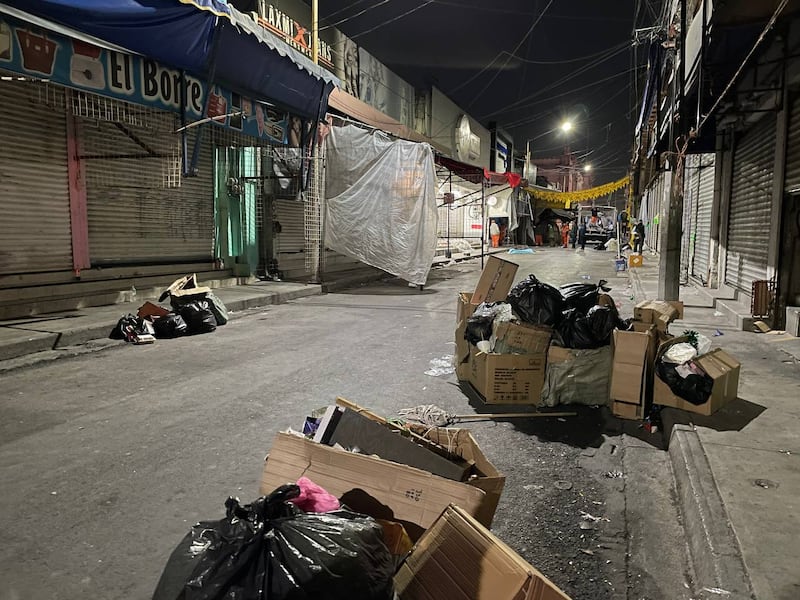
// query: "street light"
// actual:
[[566, 126], [587, 167]]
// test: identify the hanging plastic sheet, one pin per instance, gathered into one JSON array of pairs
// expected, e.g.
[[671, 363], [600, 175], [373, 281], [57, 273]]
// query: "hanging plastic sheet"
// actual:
[[381, 201]]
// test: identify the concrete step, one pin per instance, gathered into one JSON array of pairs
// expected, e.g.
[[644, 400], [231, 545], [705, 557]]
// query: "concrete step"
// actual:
[[737, 312], [30, 301]]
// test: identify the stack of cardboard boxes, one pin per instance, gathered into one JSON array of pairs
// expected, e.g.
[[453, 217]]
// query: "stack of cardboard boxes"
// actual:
[[515, 372], [634, 383]]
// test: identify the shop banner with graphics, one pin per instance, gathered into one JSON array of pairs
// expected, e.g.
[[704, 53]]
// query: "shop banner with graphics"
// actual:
[[42, 54]]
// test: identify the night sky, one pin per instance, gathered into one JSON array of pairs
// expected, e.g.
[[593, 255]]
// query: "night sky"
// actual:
[[577, 63]]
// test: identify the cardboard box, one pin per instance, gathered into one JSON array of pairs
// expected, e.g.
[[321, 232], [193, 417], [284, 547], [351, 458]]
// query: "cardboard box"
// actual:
[[381, 488], [464, 310], [356, 430], [722, 368], [507, 378], [458, 559], [632, 366], [623, 410], [495, 281], [516, 338], [659, 312]]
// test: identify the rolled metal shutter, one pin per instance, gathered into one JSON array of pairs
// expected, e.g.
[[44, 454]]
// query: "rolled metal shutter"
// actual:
[[691, 180], [35, 230], [702, 218], [751, 203], [140, 207], [792, 181], [292, 236]]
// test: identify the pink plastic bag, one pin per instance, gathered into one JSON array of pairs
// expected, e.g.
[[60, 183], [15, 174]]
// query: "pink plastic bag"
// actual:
[[313, 498]]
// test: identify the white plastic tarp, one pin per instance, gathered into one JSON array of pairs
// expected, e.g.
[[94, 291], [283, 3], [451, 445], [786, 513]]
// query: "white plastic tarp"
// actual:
[[380, 201]]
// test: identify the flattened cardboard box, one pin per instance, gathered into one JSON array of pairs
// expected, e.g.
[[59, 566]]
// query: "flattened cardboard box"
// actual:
[[507, 378], [495, 281], [377, 487], [459, 559], [464, 310], [722, 368], [631, 369]]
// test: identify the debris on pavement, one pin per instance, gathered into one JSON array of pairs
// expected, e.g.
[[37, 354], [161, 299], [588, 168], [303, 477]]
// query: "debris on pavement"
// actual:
[[441, 366]]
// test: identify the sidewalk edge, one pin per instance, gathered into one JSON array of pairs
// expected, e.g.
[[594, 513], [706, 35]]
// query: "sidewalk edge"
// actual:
[[713, 546]]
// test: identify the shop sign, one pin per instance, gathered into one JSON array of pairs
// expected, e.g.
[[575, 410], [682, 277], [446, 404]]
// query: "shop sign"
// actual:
[[296, 35], [45, 55]]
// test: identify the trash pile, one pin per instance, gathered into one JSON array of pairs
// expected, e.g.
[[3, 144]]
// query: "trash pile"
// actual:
[[194, 310], [535, 344], [375, 510]]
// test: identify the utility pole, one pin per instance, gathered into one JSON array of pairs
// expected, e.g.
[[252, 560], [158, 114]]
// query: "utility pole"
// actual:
[[315, 31], [669, 266]]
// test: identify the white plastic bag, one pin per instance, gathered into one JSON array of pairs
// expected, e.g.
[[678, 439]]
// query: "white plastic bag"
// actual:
[[678, 354]]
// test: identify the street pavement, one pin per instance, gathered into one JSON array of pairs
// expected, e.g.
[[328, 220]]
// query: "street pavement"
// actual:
[[108, 457]]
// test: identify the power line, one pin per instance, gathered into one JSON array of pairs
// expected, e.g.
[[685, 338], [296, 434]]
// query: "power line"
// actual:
[[516, 48], [358, 14], [392, 20]]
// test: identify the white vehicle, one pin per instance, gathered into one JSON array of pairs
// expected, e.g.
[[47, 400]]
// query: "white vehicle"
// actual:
[[601, 222]]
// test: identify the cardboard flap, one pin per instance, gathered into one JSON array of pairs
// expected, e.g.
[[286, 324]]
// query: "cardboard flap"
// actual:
[[459, 559], [495, 281]]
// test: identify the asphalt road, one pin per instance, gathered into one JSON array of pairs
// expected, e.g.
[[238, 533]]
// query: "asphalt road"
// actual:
[[107, 458]]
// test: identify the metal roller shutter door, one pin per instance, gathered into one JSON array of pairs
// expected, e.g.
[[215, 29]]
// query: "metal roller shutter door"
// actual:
[[793, 150], [35, 231], [141, 210], [290, 214], [702, 217], [690, 184], [751, 202]]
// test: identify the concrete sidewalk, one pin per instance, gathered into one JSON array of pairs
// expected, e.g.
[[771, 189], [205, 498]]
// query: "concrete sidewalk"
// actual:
[[738, 472]]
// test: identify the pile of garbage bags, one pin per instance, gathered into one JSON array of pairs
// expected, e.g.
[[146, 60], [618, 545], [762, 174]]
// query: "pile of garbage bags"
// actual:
[[272, 550], [194, 310], [582, 315]]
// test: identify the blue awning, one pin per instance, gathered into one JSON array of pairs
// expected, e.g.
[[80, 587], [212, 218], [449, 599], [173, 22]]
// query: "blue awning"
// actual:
[[204, 37]]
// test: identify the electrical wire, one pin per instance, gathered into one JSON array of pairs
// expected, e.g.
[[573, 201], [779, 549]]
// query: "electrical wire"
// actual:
[[358, 14], [513, 52], [565, 61], [392, 20]]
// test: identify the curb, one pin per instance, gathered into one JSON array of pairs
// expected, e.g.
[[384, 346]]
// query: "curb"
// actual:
[[44, 346], [713, 547]]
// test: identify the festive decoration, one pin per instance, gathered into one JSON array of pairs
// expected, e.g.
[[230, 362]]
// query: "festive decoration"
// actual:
[[569, 198]]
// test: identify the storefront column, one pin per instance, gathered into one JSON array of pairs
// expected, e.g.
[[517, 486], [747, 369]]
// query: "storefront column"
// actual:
[[78, 213]]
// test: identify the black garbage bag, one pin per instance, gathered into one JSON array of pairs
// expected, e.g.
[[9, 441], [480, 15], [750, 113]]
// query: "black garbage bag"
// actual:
[[271, 550], [589, 331], [535, 302], [694, 388], [217, 307], [170, 326], [128, 328], [198, 317], [582, 296], [479, 324]]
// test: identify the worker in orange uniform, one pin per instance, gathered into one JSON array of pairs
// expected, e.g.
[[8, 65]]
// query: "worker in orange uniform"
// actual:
[[565, 227], [494, 232]]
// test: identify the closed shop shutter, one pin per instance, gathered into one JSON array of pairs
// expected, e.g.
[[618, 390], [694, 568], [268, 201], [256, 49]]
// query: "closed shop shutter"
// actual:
[[702, 218], [691, 179], [751, 202], [793, 150], [35, 232], [289, 214], [140, 207]]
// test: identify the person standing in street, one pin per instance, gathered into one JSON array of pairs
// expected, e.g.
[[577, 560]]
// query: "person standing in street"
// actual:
[[494, 232], [638, 240], [582, 235], [573, 233], [565, 228]]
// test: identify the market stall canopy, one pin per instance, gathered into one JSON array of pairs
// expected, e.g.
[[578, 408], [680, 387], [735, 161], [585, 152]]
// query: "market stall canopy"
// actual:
[[566, 199], [206, 38], [476, 174]]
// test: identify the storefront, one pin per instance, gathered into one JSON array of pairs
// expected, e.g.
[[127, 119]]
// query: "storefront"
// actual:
[[111, 159], [747, 243]]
